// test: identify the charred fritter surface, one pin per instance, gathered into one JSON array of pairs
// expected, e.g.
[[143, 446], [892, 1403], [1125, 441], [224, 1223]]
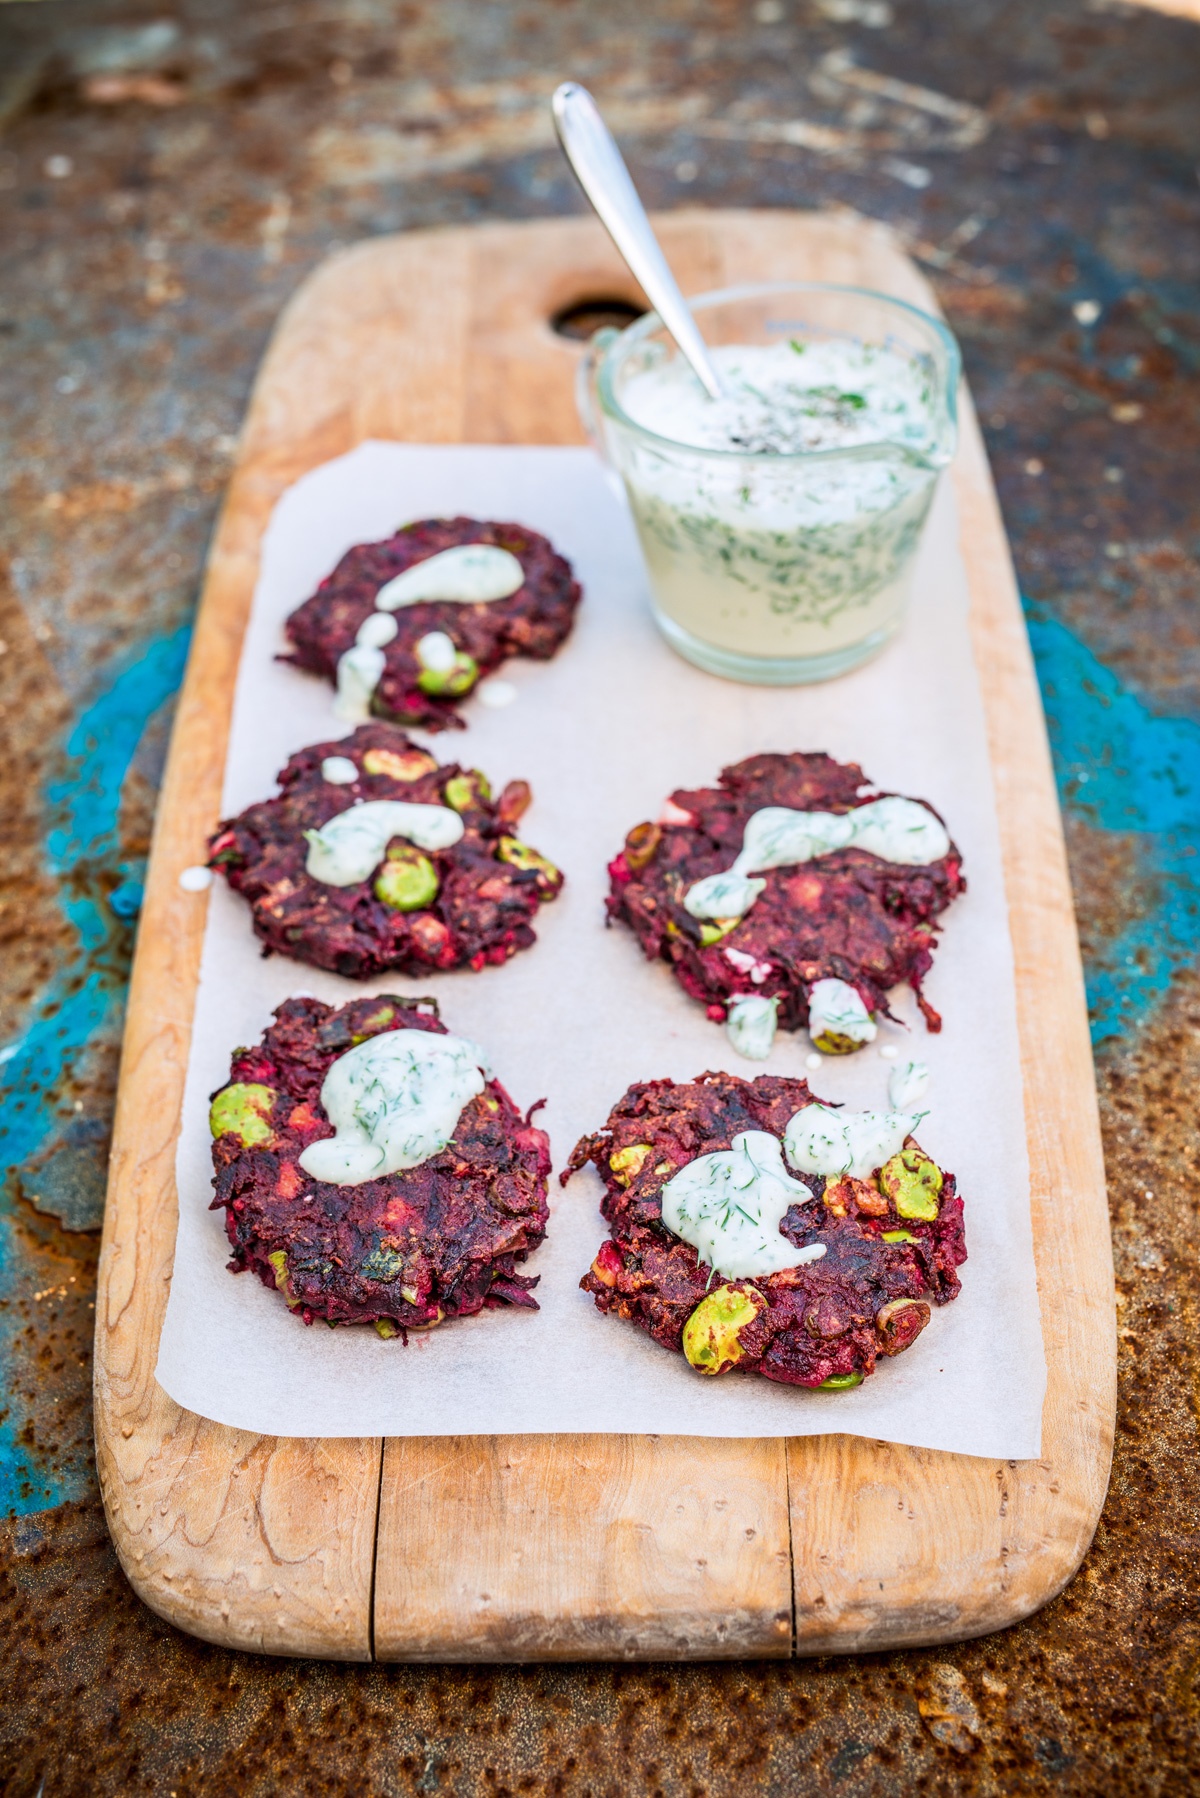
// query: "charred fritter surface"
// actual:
[[465, 906], [826, 1321], [533, 621], [845, 916], [439, 1240]]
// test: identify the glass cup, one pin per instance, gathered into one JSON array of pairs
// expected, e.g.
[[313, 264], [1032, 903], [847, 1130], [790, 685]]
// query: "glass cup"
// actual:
[[772, 567]]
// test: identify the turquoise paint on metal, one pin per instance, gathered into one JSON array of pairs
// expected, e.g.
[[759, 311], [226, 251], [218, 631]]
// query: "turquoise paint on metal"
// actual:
[[100, 893], [1122, 767]]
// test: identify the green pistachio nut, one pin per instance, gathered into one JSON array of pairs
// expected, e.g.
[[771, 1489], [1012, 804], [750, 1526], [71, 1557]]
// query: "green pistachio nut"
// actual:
[[712, 1334], [627, 1163], [406, 765], [913, 1183], [387, 1329], [278, 1260], [898, 1236], [527, 861], [641, 846], [450, 683], [714, 929], [383, 1263], [243, 1110], [407, 880], [515, 801], [899, 1323], [465, 790], [830, 1042], [840, 1382], [430, 1323], [373, 1024]]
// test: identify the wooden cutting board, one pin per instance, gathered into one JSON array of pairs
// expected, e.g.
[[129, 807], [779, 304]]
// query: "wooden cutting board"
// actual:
[[569, 1547]]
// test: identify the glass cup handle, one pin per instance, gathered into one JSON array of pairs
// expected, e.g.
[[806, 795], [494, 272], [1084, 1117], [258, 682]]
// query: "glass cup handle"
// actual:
[[586, 398]]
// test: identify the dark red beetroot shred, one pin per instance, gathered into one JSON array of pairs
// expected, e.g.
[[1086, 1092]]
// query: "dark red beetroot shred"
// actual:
[[533, 621], [435, 1241], [846, 916], [483, 905], [820, 1319]]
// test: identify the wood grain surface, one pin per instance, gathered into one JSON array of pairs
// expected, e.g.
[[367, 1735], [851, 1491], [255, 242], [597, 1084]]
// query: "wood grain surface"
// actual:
[[580, 1547]]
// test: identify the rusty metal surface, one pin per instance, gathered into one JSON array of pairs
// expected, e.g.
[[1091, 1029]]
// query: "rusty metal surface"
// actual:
[[167, 176]]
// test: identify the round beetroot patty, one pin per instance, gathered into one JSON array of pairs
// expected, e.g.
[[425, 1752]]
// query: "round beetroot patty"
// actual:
[[846, 916], [533, 621], [825, 1321], [489, 884], [438, 1240]]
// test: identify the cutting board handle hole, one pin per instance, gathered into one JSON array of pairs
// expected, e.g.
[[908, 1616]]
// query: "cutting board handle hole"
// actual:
[[583, 318]]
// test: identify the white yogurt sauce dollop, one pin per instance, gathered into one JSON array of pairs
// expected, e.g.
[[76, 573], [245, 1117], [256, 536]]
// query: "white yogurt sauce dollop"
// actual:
[[360, 668], [350, 846], [835, 1009], [469, 574], [750, 1025], [820, 1141], [339, 770], [901, 831], [394, 1101], [436, 652], [729, 1206]]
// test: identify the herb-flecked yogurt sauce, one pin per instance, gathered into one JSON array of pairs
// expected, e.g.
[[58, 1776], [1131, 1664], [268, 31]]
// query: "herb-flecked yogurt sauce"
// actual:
[[350, 846], [901, 831], [730, 1204], [897, 830], [394, 1101], [792, 559], [470, 574]]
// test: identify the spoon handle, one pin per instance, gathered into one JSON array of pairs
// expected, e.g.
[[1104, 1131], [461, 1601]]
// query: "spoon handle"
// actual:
[[600, 170]]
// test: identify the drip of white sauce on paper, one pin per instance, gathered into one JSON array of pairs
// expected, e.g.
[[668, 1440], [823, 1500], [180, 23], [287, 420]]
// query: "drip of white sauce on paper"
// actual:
[[350, 846], [729, 1206], [900, 831], [394, 1101], [908, 1084], [469, 574], [496, 693]]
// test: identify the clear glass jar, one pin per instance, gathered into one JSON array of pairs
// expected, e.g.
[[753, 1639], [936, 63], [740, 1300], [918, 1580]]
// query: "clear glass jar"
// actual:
[[776, 566]]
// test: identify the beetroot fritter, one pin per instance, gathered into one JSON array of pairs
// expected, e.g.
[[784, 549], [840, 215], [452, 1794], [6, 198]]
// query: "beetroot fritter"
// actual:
[[533, 621], [489, 884], [439, 1240], [824, 1322], [844, 916]]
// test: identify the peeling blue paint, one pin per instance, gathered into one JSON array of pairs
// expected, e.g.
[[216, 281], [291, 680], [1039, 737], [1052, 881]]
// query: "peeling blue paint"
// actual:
[[100, 892], [1122, 767]]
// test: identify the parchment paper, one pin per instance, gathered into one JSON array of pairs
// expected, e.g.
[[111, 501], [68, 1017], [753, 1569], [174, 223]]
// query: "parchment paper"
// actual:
[[603, 733]]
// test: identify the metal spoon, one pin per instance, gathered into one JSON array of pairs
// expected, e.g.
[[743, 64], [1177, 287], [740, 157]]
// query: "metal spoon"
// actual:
[[600, 170]]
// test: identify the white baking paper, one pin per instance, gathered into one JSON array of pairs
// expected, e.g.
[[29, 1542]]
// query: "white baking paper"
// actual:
[[604, 732]]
